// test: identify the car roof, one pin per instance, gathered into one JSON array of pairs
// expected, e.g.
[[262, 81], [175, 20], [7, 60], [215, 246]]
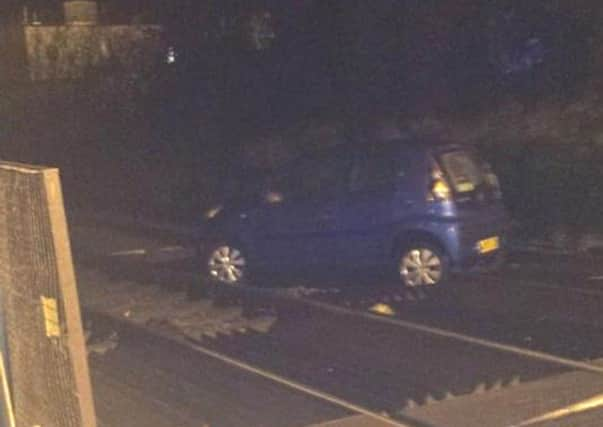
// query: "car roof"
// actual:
[[414, 144], [360, 147], [417, 142]]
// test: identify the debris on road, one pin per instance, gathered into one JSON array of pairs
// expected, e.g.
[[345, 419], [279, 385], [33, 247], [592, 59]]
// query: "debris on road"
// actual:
[[105, 345], [153, 305]]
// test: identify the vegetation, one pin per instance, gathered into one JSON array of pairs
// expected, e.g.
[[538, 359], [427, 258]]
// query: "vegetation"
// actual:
[[163, 141]]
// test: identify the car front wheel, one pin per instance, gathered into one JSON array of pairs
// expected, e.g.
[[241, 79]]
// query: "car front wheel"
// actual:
[[226, 264], [221, 266]]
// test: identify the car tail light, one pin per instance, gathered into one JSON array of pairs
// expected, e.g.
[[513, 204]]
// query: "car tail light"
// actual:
[[439, 189]]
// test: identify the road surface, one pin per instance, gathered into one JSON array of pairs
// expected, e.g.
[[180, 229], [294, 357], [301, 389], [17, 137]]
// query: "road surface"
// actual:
[[527, 340]]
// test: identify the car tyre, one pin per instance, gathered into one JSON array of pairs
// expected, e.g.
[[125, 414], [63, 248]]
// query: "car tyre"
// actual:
[[223, 266], [422, 266]]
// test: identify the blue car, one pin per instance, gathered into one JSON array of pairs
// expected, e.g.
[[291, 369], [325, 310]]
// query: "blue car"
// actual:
[[416, 209]]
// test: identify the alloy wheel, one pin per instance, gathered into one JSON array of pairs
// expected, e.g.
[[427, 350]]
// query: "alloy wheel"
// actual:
[[227, 265], [421, 267]]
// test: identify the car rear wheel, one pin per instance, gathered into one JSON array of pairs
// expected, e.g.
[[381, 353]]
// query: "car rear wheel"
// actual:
[[422, 265]]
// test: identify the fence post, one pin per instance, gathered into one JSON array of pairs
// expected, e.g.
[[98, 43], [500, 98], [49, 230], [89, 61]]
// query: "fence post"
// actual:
[[7, 416], [48, 366]]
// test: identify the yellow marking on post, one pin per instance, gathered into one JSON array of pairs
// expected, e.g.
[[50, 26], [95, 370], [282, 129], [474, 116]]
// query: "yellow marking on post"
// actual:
[[51, 317], [585, 405]]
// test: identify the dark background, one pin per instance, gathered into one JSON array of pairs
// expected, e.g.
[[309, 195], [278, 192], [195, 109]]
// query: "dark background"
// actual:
[[520, 80]]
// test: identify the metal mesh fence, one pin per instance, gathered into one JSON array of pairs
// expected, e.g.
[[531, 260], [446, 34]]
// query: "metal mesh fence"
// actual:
[[47, 362]]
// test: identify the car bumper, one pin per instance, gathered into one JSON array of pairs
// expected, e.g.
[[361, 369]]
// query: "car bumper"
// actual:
[[462, 241]]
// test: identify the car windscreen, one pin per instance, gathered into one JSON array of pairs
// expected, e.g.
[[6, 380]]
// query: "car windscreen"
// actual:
[[463, 169]]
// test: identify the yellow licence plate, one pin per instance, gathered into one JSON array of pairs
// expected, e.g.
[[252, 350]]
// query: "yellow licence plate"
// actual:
[[488, 245]]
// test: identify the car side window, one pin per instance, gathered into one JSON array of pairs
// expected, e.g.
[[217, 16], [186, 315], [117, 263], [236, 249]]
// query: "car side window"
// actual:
[[378, 169], [315, 177], [323, 176]]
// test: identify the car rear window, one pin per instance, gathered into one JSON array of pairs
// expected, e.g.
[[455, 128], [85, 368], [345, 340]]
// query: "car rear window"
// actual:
[[464, 170]]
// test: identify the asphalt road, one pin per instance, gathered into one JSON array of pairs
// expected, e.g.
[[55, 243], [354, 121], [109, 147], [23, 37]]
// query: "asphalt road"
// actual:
[[539, 320], [149, 381]]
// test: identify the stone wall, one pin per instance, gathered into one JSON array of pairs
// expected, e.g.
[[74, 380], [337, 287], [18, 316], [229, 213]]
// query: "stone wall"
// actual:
[[12, 53], [69, 52]]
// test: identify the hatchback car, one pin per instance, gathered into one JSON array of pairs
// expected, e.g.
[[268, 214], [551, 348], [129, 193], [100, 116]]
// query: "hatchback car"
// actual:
[[416, 209]]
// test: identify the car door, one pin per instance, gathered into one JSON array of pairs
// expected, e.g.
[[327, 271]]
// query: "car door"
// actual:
[[383, 191], [297, 232]]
